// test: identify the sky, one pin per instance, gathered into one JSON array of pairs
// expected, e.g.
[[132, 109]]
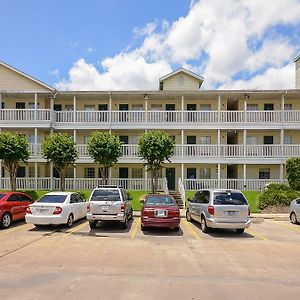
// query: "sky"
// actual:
[[129, 44]]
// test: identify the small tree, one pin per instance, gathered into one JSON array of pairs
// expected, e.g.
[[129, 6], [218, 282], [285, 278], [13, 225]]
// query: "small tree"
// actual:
[[155, 147], [105, 148], [60, 149], [14, 148], [293, 173]]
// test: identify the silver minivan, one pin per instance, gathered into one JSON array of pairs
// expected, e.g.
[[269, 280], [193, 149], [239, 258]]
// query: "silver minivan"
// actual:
[[219, 208], [295, 211], [109, 203]]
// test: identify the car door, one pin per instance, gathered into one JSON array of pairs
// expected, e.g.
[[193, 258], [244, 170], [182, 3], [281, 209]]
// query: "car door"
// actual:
[[15, 205], [83, 207], [25, 201], [204, 199], [126, 203], [195, 206], [75, 206], [297, 208]]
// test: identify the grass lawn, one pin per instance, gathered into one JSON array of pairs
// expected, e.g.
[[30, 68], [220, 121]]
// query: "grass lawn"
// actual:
[[252, 197]]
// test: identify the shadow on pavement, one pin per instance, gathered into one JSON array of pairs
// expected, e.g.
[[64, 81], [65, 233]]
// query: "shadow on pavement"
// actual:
[[161, 232]]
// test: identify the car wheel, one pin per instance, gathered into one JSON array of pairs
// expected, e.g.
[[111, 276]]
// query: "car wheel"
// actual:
[[204, 227], [293, 218], [131, 215], [188, 216], [93, 224], [38, 225], [143, 227], [125, 223], [240, 230], [176, 228], [70, 220], [6, 220]]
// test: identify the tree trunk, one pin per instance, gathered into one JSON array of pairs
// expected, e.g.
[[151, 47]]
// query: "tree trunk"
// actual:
[[13, 183], [152, 181], [62, 174], [155, 179], [103, 175], [12, 167]]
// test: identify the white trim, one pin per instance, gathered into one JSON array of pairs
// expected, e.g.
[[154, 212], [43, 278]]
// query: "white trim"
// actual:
[[26, 75], [198, 77], [297, 57]]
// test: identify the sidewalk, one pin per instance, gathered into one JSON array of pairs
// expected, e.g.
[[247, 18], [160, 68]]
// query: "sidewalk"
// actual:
[[257, 216]]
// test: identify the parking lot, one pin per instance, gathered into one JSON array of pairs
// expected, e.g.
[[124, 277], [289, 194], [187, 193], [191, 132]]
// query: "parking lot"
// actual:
[[113, 263]]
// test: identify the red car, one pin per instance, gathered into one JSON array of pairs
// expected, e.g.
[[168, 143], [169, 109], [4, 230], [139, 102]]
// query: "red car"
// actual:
[[160, 211], [13, 207]]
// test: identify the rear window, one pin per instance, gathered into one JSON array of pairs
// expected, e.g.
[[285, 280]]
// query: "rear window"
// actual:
[[229, 198], [159, 200], [1, 196], [52, 199], [106, 195]]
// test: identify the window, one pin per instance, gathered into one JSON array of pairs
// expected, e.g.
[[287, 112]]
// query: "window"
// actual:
[[85, 139], [287, 140], [251, 140], [264, 173], [191, 173], [24, 198], [89, 107], [205, 140], [70, 172], [31, 172], [288, 106], [31, 105], [204, 197], [252, 106], [74, 198], [137, 107], [20, 105], [156, 106], [21, 172], [2, 105], [13, 197], [102, 107], [89, 172], [205, 107], [137, 173], [205, 173], [31, 139], [69, 107]]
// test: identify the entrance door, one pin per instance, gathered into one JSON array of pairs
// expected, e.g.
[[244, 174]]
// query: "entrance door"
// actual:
[[103, 112], [268, 140], [191, 116], [123, 172], [20, 105], [268, 106], [124, 139], [170, 114], [123, 115], [191, 140], [57, 107], [232, 173], [191, 173], [102, 107], [170, 174]]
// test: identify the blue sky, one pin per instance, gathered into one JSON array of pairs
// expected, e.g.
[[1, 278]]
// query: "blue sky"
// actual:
[[128, 44]]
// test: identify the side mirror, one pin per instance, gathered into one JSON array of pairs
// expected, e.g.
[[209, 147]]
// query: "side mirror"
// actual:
[[142, 201]]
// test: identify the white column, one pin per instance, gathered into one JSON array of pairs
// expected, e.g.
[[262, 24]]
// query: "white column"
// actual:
[[245, 175], [182, 143], [219, 143], [52, 113], [281, 172], [51, 176], [35, 106], [146, 110], [110, 108], [36, 174], [35, 142], [245, 108], [182, 109], [0, 101], [74, 168], [282, 108], [245, 142], [74, 109], [182, 171], [282, 154], [219, 108], [219, 175]]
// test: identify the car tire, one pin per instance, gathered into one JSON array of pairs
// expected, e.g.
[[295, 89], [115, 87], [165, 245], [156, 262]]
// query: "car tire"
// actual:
[[70, 221], [131, 214], [293, 218], [203, 224], [143, 227], [6, 220], [188, 216], [93, 224], [240, 230], [124, 224], [38, 225], [176, 228]]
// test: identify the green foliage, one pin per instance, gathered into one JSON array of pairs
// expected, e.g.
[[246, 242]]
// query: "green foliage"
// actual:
[[14, 148], [31, 193], [60, 149], [105, 148], [82, 194], [277, 194], [293, 173], [155, 147]]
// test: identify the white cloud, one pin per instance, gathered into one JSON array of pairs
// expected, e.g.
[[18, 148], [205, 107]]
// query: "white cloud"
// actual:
[[212, 38], [90, 50]]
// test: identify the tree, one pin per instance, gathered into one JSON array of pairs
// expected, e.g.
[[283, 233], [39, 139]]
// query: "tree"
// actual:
[[105, 148], [156, 147], [60, 149], [293, 173], [14, 148]]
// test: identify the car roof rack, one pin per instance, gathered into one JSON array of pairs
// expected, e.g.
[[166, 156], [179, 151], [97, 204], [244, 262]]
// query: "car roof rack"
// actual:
[[109, 186]]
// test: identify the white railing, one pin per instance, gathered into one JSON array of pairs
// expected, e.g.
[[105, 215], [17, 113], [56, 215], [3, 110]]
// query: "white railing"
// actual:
[[127, 116], [240, 184], [130, 150], [267, 116], [181, 190], [82, 150], [165, 186], [24, 115], [164, 116], [27, 183]]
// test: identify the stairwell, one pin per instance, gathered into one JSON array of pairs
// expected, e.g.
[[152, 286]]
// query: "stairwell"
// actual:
[[176, 195]]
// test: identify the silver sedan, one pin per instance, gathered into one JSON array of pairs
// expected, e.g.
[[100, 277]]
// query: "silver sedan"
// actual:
[[295, 211]]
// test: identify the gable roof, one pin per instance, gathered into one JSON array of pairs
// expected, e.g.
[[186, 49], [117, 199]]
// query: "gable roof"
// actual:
[[297, 57], [188, 72], [2, 63]]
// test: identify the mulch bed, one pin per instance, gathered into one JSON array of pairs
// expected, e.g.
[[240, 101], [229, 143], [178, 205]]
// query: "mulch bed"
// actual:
[[276, 209]]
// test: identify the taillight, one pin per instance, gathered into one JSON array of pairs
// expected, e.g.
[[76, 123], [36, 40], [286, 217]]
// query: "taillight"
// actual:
[[122, 207], [28, 210], [88, 207], [211, 210], [174, 213], [248, 211], [57, 210], [146, 212]]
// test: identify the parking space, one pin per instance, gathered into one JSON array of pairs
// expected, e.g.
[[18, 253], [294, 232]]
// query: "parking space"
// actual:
[[80, 263]]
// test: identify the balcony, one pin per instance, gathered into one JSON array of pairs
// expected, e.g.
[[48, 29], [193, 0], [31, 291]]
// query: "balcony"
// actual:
[[194, 153], [28, 117]]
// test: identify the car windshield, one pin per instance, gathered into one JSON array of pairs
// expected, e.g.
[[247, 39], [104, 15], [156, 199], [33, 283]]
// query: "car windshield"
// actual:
[[1, 196], [159, 200], [229, 198], [52, 199], [106, 195]]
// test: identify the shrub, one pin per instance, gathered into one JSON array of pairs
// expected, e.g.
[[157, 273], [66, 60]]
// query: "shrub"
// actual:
[[277, 194], [293, 172], [31, 193]]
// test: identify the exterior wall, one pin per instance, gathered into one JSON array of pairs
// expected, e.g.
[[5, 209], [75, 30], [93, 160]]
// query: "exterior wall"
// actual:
[[297, 67], [176, 83], [10, 103], [12, 81]]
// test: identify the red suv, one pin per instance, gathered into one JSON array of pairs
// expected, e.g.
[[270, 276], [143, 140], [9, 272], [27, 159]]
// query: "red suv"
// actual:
[[13, 207]]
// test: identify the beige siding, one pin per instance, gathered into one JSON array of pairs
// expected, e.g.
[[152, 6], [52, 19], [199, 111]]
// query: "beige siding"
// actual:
[[176, 82], [12, 81]]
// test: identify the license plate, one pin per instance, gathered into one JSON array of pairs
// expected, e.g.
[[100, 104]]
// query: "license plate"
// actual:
[[41, 209], [232, 213], [104, 207], [161, 213]]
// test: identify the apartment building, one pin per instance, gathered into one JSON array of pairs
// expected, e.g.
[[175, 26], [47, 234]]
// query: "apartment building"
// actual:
[[224, 138]]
